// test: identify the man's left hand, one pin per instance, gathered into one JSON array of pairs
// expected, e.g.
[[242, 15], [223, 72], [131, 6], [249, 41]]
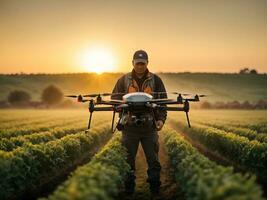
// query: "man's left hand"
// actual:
[[159, 125]]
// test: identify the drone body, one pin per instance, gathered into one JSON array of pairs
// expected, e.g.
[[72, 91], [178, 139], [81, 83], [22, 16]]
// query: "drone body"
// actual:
[[134, 105], [137, 97]]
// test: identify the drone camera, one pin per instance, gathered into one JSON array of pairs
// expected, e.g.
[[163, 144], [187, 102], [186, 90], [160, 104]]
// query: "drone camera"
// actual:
[[139, 122]]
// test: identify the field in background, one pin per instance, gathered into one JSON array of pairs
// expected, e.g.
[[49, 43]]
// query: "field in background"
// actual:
[[222, 87], [39, 149]]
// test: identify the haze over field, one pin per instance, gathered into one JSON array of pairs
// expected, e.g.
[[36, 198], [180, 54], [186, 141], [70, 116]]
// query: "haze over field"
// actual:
[[221, 87]]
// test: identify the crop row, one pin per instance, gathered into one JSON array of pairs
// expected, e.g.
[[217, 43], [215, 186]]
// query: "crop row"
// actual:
[[259, 127], [9, 144], [14, 118], [21, 123], [250, 154], [28, 116], [36, 121], [32, 165], [31, 128], [245, 132], [203, 179], [100, 178], [255, 125]]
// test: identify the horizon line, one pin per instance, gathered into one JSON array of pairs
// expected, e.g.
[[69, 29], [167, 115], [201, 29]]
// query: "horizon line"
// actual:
[[158, 72]]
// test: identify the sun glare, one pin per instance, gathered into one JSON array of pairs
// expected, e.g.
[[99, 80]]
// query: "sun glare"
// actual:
[[98, 60]]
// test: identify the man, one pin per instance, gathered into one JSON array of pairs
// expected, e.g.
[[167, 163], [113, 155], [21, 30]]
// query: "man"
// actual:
[[141, 80]]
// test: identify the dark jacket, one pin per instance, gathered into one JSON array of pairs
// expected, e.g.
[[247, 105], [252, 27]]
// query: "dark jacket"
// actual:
[[151, 80]]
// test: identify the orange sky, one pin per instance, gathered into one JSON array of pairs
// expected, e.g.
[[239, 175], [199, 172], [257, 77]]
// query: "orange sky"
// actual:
[[179, 35]]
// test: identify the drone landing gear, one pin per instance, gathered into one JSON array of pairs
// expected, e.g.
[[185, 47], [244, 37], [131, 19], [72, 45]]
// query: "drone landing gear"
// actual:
[[186, 109], [188, 121], [112, 125], [92, 108], [90, 118], [89, 122]]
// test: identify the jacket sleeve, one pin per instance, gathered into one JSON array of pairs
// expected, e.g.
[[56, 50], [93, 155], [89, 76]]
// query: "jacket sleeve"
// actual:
[[118, 88], [160, 113]]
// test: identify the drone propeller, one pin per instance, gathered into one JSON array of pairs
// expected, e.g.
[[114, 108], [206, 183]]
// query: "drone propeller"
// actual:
[[159, 92], [159, 100], [101, 94], [112, 102], [72, 96], [79, 98], [199, 95], [93, 95], [178, 93]]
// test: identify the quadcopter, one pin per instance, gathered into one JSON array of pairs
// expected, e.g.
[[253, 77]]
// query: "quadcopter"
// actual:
[[136, 102]]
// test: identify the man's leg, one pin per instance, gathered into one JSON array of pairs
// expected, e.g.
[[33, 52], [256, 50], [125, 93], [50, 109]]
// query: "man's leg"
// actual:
[[131, 143], [150, 145]]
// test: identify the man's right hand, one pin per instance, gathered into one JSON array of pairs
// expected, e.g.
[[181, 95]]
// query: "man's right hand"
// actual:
[[159, 125]]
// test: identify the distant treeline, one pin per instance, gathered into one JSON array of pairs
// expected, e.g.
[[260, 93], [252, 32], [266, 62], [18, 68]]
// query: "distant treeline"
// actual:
[[27, 90], [52, 97], [261, 104]]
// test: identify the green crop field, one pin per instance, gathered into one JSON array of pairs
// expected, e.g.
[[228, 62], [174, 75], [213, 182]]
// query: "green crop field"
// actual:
[[46, 154]]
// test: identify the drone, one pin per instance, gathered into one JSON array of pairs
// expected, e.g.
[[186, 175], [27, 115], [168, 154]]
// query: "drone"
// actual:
[[135, 102]]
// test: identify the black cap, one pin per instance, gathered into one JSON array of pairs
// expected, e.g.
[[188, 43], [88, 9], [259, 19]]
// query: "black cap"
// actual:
[[140, 56]]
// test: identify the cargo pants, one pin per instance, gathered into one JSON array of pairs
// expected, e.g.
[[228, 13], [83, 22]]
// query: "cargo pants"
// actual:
[[148, 137]]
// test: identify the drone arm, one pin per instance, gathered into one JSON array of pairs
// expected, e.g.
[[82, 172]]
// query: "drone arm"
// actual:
[[175, 109], [184, 109], [165, 102], [104, 108], [112, 102]]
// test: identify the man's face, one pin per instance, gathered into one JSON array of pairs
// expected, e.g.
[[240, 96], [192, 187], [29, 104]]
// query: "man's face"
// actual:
[[140, 67]]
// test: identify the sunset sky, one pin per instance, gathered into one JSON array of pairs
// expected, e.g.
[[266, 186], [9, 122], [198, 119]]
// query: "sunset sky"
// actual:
[[58, 36]]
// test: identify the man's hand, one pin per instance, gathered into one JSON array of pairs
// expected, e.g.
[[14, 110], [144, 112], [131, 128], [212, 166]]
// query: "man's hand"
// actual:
[[159, 125]]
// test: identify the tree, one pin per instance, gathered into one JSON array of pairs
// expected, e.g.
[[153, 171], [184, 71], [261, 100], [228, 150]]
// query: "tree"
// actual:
[[52, 95], [261, 104], [244, 71], [233, 105], [219, 105], [246, 105], [253, 71], [19, 97], [206, 105], [248, 71]]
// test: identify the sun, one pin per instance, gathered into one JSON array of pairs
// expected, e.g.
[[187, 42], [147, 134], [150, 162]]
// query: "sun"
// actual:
[[98, 60]]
